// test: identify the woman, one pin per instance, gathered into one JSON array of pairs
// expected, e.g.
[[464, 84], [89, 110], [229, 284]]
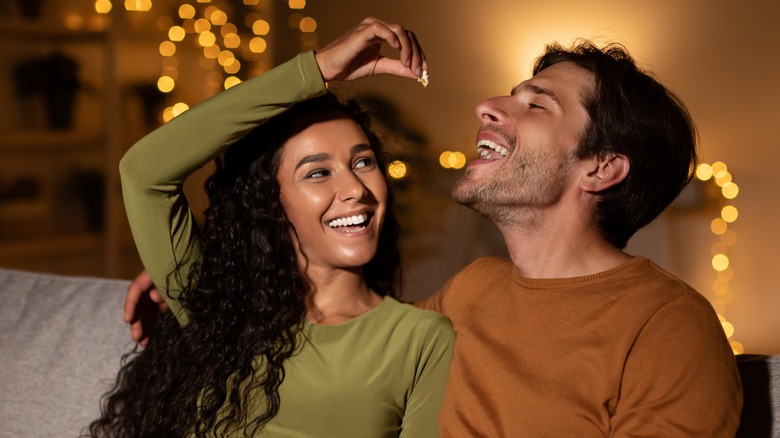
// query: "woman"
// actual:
[[285, 322]]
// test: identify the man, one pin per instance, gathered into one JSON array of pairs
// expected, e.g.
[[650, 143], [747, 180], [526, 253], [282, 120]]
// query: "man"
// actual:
[[572, 336]]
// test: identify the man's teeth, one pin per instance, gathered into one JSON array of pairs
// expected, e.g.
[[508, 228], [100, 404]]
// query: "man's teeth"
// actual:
[[348, 221], [485, 153]]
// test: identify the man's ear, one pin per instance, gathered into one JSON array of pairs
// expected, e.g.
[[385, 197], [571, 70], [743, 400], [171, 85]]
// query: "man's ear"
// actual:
[[605, 172]]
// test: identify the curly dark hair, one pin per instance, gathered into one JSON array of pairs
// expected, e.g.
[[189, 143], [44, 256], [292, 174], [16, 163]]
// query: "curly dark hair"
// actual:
[[632, 114], [245, 299]]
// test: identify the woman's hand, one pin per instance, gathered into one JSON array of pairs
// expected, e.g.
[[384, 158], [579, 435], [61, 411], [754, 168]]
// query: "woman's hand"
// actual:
[[356, 54]]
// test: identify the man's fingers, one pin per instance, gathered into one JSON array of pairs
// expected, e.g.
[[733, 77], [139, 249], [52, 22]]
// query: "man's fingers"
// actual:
[[156, 296]]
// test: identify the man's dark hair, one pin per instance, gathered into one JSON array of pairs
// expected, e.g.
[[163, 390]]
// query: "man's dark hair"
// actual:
[[633, 115]]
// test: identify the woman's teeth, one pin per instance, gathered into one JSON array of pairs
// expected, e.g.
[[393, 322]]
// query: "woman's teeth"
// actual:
[[349, 221]]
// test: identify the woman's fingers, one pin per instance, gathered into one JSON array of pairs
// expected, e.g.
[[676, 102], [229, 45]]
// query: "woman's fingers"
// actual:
[[356, 54]]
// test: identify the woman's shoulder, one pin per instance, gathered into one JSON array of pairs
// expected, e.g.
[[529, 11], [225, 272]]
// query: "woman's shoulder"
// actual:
[[422, 320]]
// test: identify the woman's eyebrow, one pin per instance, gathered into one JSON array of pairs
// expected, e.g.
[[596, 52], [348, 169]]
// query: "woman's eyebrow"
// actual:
[[315, 158], [358, 148]]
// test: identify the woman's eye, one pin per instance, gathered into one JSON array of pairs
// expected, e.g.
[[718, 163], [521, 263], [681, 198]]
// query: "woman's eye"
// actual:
[[533, 105], [364, 162], [317, 174]]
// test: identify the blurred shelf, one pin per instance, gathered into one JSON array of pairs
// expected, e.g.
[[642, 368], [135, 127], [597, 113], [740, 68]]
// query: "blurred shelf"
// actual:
[[50, 141], [34, 30], [49, 245]]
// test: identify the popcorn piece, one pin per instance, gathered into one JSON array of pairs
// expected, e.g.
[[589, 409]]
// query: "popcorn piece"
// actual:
[[424, 79]]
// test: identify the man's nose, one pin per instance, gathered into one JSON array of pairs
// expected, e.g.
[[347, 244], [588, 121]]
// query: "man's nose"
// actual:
[[489, 111]]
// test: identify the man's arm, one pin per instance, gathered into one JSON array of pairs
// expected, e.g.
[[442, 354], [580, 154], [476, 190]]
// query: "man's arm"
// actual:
[[680, 378]]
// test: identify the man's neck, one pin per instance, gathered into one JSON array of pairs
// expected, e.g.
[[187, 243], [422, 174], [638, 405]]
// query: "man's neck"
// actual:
[[561, 250]]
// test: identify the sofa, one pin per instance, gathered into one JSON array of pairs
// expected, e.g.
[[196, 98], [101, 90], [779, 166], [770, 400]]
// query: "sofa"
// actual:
[[62, 339]]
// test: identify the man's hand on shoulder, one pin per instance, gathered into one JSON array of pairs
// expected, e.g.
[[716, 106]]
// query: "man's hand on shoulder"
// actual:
[[144, 305]]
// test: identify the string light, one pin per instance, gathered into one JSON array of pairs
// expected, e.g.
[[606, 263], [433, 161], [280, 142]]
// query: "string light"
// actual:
[[452, 160], [397, 169], [718, 172]]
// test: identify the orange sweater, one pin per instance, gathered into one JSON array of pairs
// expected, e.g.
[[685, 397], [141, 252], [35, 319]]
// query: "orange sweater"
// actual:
[[632, 351]]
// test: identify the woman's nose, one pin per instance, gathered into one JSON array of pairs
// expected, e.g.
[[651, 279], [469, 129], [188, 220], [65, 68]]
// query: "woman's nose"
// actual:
[[351, 188]]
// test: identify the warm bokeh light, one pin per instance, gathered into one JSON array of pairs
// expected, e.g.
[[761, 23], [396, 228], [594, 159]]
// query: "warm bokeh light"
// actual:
[[232, 41], [207, 39], [225, 57], [296, 4], [730, 190], [704, 171], [452, 160], [180, 108], [172, 111], [718, 226], [166, 84], [202, 25], [138, 5], [231, 81], [728, 328], [720, 262], [729, 213], [737, 347], [218, 18], [167, 48], [719, 169], [258, 45], [211, 52], [723, 179], [251, 2], [103, 6], [308, 25], [232, 67], [176, 33], [261, 27], [397, 169], [186, 11]]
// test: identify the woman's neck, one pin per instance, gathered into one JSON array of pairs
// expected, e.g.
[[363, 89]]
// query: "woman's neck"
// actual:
[[337, 296]]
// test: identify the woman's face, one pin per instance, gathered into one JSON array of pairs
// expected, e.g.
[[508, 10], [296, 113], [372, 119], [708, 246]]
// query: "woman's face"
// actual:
[[333, 193]]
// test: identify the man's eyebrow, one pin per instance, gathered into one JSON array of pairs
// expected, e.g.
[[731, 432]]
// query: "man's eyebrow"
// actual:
[[315, 158], [537, 90]]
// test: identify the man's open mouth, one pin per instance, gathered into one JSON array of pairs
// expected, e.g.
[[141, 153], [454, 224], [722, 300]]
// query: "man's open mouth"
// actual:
[[489, 150]]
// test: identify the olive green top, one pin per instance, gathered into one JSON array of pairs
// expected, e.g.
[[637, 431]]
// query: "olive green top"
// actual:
[[380, 374]]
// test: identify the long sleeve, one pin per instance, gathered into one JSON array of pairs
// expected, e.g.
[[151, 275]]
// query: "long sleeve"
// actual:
[[425, 401], [154, 169]]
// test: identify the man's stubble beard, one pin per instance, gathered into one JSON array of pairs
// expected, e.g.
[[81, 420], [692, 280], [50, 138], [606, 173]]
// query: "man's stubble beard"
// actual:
[[517, 193]]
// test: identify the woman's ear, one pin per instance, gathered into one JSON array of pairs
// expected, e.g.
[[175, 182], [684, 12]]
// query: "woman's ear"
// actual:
[[605, 172]]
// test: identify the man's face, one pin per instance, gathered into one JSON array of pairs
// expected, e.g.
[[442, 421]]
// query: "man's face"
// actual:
[[527, 143]]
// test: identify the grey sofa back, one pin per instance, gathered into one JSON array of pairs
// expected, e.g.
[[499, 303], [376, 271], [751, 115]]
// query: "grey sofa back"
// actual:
[[760, 376], [61, 342], [62, 339]]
